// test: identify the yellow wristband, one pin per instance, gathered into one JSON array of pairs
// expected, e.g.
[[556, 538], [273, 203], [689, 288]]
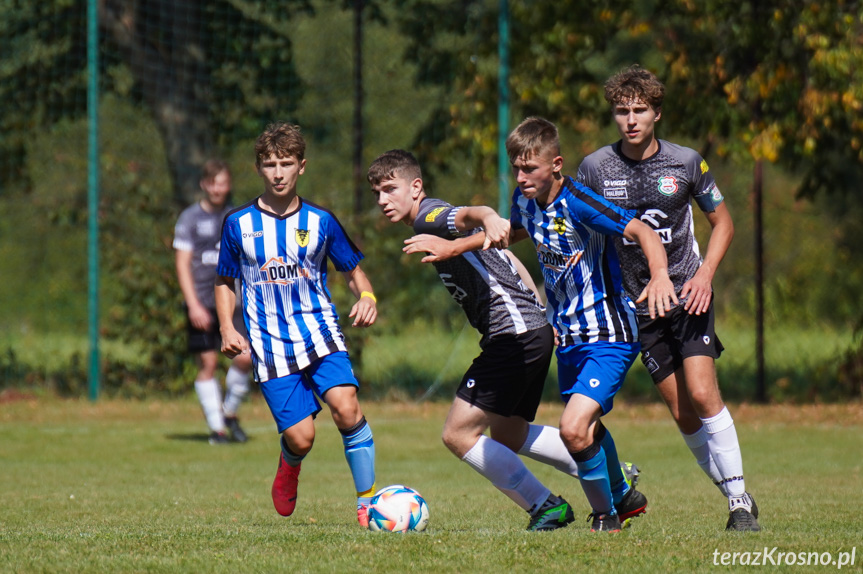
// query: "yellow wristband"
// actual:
[[370, 295]]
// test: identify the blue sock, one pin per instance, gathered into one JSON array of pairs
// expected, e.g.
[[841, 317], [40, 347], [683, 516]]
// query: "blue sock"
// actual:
[[593, 474], [292, 458], [360, 454], [615, 474]]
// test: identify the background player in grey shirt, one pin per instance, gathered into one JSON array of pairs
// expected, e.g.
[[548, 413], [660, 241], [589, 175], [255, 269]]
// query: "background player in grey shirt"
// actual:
[[657, 179], [196, 245]]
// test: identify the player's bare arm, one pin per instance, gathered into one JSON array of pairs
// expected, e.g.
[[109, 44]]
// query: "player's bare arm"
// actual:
[[440, 249], [659, 292], [698, 291], [199, 316], [496, 228], [365, 310], [233, 343]]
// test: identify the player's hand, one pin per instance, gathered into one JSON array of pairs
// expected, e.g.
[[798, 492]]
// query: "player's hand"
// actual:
[[659, 295], [436, 248], [697, 294], [200, 317], [364, 312], [496, 232], [233, 343]]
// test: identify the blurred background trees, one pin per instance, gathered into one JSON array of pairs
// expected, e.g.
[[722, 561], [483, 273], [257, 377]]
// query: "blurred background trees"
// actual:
[[775, 81]]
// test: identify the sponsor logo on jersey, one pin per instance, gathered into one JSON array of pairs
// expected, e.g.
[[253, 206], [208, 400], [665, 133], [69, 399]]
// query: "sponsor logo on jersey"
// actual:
[[704, 168], [556, 261], [614, 183], [667, 185], [615, 193], [280, 273], [456, 292], [302, 237], [253, 234], [559, 225], [434, 213], [206, 228], [654, 218]]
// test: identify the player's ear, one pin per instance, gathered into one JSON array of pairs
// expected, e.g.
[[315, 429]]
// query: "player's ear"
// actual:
[[557, 164], [416, 187], [302, 166], [658, 114]]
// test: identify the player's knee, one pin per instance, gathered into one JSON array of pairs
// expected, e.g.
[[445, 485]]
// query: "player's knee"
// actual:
[[575, 437]]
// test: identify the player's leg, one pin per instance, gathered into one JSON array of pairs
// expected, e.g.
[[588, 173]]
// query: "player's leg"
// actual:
[[236, 390], [334, 381], [293, 406], [463, 436], [589, 376], [210, 395], [722, 441], [237, 386], [493, 393]]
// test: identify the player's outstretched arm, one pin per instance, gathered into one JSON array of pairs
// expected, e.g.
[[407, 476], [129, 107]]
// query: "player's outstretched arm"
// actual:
[[440, 249], [497, 229], [698, 291], [659, 292], [365, 310], [233, 343]]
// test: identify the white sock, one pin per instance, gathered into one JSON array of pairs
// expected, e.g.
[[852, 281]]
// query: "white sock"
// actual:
[[507, 473], [210, 396], [725, 451], [543, 444], [236, 389], [697, 443]]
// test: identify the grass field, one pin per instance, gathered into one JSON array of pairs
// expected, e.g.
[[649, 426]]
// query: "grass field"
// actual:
[[134, 487]]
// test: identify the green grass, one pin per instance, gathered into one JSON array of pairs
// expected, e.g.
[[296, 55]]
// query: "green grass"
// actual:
[[133, 487]]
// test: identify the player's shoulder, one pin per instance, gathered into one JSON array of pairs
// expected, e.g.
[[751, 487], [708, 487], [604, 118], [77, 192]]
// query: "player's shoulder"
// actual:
[[432, 204], [236, 212], [680, 152], [191, 211], [318, 209]]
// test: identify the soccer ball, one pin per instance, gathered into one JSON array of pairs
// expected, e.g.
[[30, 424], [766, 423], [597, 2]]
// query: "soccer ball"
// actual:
[[398, 508]]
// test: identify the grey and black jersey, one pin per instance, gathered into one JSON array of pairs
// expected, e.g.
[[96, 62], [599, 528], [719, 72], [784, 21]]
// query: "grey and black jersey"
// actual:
[[659, 189], [199, 231], [485, 283]]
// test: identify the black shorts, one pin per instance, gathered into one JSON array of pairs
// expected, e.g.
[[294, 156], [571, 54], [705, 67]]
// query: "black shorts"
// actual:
[[200, 341], [507, 378], [666, 341]]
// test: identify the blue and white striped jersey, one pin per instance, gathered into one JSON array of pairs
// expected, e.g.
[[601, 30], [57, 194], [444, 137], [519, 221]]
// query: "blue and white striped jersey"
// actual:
[[282, 265], [573, 237]]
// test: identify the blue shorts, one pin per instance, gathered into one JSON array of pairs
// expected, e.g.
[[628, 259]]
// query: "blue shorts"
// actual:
[[292, 398], [595, 370]]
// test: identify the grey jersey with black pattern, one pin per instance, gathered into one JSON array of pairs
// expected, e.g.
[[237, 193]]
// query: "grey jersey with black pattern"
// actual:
[[485, 283], [659, 189]]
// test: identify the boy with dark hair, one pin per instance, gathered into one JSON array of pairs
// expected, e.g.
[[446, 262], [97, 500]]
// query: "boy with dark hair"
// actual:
[[277, 246], [196, 245], [657, 179], [503, 387]]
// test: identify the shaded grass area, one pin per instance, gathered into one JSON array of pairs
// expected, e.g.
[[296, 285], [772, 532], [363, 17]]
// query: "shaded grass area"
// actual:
[[134, 487]]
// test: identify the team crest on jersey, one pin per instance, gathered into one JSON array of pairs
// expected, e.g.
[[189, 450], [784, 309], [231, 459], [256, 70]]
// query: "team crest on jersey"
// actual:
[[715, 194], [704, 168], [302, 237], [668, 185], [559, 225], [430, 217]]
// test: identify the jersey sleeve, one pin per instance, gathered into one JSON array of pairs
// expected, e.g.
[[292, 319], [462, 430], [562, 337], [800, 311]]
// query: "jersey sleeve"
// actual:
[[183, 233], [437, 217], [598, 213], [515, 215], [703, 189], [229, 252], [340, 249]]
